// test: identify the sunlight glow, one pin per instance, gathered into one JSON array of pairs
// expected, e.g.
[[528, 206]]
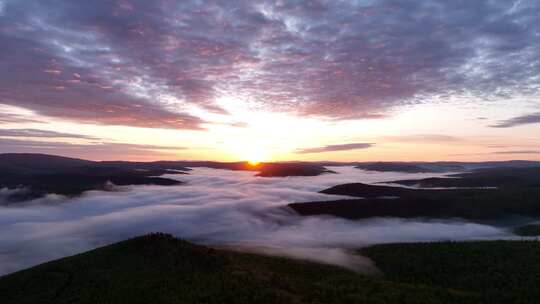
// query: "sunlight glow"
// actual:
[[254, 155], [253, 162]]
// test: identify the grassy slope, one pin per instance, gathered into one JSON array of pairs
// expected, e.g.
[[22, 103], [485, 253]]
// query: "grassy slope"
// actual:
[[502, 271], [161, 269]]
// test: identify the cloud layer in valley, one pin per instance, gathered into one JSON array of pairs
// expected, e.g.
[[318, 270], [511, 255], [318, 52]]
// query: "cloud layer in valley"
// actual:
[[151, 63], [217, 207]]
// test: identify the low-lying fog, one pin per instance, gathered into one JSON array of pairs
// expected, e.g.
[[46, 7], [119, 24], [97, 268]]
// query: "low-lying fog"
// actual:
[[216, 207]]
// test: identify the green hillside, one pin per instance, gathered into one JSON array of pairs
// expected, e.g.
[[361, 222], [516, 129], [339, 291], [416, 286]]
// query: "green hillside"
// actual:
[[161, 269], [500, 271]]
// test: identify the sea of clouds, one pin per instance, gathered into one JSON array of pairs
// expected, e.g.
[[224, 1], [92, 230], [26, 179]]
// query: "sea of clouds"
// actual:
[[231, 209]]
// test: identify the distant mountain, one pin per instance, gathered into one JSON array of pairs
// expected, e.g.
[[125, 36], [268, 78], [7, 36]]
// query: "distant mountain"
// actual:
[[237, 166], [156, 165], [437, 167], [267, 169], [480, 195], [27, 163], [40, 174], [409, 167], [504, 176], [291, 169], [42, 163]]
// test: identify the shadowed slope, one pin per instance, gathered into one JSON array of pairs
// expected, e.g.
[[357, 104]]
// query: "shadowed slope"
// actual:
[[501, 271], [161, 269]]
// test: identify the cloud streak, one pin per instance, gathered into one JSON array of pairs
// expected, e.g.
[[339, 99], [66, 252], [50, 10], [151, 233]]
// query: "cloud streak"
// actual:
[[335, 148], [519, 121], [105, 150], [423, 138], [9, 118], [517, 152], [41, 134]]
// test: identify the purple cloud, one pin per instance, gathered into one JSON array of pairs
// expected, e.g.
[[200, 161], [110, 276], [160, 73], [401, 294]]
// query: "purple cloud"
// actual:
[[518, 152], [8, 118], [148, 63], [41, 133], [333, 148], [518, 121], [88, 150], [435, 138]]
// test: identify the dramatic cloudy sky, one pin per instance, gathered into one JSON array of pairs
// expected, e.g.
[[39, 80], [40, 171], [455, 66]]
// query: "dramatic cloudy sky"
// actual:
[[271, 80]]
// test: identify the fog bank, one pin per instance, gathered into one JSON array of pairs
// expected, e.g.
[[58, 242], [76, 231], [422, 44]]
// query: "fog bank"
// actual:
[[220, 208]]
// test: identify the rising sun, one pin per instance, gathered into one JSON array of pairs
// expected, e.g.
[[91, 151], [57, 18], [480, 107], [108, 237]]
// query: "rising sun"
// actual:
[[254, 156], [253, 162]]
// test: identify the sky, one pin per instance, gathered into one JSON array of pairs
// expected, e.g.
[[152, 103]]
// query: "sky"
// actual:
[[271, 80]]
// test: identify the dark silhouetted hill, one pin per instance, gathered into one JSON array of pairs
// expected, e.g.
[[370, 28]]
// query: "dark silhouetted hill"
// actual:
[[291, 169], [434, 167], [409, 167], [504, 193], [161, 269], [40, 174], [497, 271]]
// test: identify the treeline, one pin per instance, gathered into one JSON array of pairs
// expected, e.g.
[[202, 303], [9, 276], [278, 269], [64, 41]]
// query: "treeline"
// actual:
[[498, 271]]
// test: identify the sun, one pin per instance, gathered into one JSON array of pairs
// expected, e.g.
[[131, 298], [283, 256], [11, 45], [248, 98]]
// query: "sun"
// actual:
[[250, 151], [254, 155], [253, 162]]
